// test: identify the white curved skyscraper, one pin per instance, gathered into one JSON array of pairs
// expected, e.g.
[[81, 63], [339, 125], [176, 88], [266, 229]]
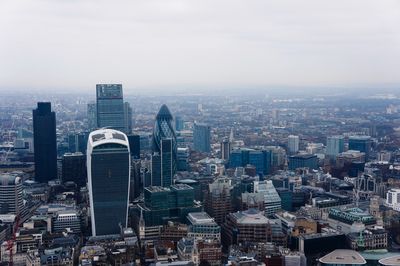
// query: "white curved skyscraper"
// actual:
[[108, 166]]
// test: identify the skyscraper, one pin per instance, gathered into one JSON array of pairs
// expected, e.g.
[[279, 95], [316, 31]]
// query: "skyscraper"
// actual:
[[225, 149], [361, 143], [108, 165], [110, 106], [167, 150], [162, 171], [201, 137], [334, 145], [74, 168], [128, 118], [179, 123], [293, 144], [92, 116], [45, 142]]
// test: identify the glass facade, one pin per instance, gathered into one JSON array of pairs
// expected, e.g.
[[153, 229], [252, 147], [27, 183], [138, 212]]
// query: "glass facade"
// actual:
[[164, 143], [109, 177], [45, 142], [201, 138], [110, 106]]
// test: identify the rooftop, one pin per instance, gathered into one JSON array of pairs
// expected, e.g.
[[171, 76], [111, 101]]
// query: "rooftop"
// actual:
[[391, 261], [343, 257], [200, 218], [251, 216]]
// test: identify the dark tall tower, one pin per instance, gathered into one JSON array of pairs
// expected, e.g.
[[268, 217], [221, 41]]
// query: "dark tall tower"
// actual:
[[110, 106], [164, 144], [45, 142]]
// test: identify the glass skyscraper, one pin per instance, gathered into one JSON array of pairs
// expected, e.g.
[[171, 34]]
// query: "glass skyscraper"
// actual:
[[164, 145], [110, 106], [201, 137], [108, 165], [45, 142]]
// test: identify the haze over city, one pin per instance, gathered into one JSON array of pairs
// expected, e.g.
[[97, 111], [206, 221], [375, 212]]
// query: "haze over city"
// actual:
[[199, 45], [199, 133]]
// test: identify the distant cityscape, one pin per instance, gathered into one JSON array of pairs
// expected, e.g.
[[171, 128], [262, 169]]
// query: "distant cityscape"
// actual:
[[249, 179]]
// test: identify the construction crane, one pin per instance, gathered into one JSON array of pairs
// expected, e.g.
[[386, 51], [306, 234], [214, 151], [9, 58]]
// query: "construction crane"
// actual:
[[10, 242]]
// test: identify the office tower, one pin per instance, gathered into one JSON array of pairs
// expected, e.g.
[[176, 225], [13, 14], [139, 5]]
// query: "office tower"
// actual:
[[245, 227], [393, 199], [362, 144], [183, 159], [163, 204], [78, 142], [128, 118], [45, 142], [272, 201], [108, 167], [110, 106], [179, 123], [162, 164], [155, 170], [92, 116], [260, 159], [163, 130], [201, 137], [225, 149], [74, 168], [303, 161], [218, 201], [136, 180], [334, 145], [201, 225], [134, 146], [293, 144], [11, 201]]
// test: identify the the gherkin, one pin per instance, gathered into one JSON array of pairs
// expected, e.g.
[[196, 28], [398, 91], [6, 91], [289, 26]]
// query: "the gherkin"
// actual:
[[164, 145]]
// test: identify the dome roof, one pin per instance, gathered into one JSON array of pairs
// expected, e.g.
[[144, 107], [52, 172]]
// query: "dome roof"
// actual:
[[164, 113]]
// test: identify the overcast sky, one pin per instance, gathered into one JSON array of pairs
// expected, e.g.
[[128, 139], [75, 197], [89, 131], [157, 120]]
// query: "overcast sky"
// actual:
[[74, 44]]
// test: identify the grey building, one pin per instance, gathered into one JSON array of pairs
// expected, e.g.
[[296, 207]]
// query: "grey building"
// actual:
[[11, 194]]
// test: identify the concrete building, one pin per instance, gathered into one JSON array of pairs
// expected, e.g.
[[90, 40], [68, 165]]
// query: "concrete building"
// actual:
[[11, 201], [393, 199], [201, 225]]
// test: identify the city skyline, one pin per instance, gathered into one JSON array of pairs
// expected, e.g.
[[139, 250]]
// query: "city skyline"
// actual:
[[198, 45]]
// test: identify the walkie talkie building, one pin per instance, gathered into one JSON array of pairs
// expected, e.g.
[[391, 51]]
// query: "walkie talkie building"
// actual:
[[108, 166]]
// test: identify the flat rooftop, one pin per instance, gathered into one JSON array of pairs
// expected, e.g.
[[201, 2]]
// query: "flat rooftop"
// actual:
[[391, 261], [343, 257], [200, 218]]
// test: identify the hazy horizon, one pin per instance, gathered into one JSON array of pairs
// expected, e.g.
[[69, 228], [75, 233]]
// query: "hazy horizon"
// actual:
[[199, 46]]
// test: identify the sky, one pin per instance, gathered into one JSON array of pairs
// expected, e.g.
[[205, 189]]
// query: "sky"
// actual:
[[70, 45]]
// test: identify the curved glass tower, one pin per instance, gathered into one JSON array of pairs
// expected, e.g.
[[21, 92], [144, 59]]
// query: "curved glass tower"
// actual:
[[108, 166], [164, 146]]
